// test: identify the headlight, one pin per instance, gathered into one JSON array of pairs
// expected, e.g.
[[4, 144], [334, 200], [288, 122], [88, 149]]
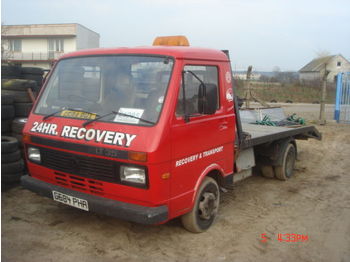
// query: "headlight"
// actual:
[[133, 174], [34, 154]]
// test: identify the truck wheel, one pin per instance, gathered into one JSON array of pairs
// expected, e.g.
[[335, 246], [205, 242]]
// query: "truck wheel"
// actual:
[[267, 171], [205, 209], [285, 171]]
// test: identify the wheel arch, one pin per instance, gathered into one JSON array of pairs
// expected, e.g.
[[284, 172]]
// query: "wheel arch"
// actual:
[[214, 171]]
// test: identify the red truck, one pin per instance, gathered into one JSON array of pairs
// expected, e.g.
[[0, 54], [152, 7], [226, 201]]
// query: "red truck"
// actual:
[[148, 134]]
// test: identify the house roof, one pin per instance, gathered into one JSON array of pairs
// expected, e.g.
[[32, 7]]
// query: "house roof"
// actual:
[[42, 30], [317, 64]]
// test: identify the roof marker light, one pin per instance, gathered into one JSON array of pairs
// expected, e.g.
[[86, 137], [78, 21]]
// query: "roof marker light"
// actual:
[[178, 40]]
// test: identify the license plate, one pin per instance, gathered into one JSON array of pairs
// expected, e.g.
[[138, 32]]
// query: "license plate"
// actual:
[[70, 200], [78, 114]]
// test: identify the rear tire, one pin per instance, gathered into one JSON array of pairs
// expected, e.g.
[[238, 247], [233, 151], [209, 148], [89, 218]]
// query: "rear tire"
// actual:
[[285, 171], [267, 171], [205, 208]]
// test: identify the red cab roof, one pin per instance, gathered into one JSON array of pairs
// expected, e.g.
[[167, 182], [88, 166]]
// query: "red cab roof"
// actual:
[[179, 52]]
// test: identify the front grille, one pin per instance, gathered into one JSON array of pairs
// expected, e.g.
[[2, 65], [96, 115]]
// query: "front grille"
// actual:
[[88, 167], [80, 183]]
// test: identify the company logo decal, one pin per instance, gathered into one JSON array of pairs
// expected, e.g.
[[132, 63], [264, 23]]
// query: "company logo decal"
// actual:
[[228, 77], [195, 157], [80, 133], [229, 95]]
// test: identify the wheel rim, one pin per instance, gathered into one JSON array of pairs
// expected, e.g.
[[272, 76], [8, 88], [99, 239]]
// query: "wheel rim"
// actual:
[[290, 162], [208, 205]]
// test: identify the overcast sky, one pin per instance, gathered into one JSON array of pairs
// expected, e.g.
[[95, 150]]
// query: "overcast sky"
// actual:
[[262, 33]]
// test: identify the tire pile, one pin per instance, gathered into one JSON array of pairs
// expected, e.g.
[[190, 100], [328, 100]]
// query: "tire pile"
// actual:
[[16, 105], [17, 72], [12, 164]]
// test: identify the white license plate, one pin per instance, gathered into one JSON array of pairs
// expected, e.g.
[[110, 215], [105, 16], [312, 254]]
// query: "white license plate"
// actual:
[[70, 200]]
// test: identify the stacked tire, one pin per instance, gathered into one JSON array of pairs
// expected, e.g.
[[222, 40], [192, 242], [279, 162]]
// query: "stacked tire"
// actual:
[[17, 129], [30, 73], [18, 89], [35, 74], [11, 72], [12, 164], [7, 113], [15, 107]]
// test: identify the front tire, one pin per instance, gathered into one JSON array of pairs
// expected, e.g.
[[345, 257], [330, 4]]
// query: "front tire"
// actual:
[[205, 209]]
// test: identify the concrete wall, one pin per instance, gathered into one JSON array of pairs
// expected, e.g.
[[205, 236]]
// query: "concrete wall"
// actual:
[[34, 45], [70, 44], [41, 44], [44, 29], [309, 76], [37, 49], [86, 38], [332, 66], [35, 39]]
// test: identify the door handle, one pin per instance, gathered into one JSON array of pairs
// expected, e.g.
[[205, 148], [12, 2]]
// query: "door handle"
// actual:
[[223, 125]]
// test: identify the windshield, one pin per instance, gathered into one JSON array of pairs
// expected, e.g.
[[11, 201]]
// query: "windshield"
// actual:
[[95, 86]]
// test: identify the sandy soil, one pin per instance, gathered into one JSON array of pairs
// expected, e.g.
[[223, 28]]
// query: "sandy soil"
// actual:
[[314, 202]]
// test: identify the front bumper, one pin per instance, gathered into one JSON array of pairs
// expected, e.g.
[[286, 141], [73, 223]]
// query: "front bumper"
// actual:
[[101, 205]]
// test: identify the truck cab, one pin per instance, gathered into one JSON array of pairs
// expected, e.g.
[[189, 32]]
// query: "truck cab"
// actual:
[[133, 132], [148, 134]]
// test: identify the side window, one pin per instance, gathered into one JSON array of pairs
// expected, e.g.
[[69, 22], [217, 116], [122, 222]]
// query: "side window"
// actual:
[[15, 45], [193, 77]]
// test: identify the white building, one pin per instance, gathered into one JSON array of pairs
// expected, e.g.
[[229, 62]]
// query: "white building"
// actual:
[[315, 69], [39, 45]]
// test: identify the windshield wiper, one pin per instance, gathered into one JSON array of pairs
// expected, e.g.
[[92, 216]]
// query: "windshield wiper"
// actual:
[[117, 113], [65, 108]]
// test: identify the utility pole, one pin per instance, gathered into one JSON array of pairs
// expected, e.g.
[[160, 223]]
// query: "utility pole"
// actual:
[[322, 120], [248, 95]]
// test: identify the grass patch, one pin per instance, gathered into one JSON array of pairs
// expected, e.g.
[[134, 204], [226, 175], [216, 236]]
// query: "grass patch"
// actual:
[[284, 92]]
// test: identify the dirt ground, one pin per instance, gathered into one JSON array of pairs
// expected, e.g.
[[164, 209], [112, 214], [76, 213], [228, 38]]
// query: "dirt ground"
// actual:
[[315, 202]]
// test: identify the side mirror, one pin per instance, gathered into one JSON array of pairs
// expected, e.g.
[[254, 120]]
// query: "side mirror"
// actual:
[[207, 99]]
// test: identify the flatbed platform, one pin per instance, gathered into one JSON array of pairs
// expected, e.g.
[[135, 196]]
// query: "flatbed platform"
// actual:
[[260, 134]]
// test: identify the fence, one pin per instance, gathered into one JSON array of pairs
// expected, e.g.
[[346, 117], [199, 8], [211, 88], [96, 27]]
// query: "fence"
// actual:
[[342, 100]]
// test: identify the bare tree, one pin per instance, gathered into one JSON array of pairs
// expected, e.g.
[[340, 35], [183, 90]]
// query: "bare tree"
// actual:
[[322, 53], [6, 53]]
